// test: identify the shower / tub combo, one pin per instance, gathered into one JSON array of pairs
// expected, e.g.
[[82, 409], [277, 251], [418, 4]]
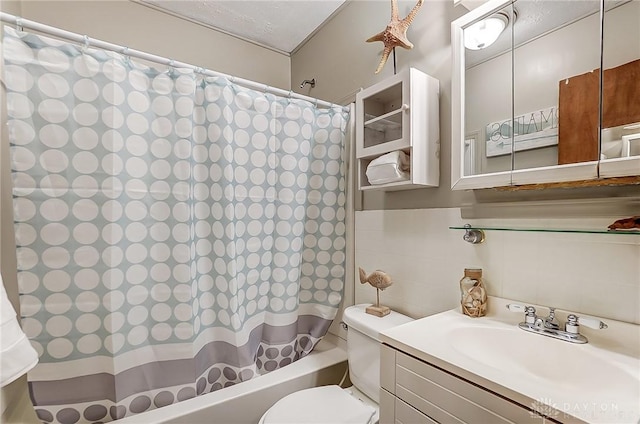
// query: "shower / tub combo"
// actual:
[[178, 231]]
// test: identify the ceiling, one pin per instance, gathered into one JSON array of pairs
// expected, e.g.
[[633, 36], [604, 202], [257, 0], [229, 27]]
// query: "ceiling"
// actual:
[[279, 25]]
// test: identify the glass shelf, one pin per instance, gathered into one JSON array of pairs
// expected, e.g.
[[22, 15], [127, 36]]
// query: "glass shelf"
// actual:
[[549, 230], [391, 120]]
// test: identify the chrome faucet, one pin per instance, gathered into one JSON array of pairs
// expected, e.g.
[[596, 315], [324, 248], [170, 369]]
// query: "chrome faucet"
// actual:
[[551, 321], [550, 326]]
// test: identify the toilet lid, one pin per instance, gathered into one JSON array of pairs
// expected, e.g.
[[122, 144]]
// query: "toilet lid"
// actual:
[[326, 404]]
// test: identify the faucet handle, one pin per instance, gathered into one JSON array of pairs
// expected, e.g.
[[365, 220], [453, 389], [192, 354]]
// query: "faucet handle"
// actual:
[[573, 322], [515, 307], [592, 323], [529, 311]]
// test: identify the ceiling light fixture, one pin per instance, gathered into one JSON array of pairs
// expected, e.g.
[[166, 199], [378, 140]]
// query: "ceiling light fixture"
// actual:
[[485, 32]]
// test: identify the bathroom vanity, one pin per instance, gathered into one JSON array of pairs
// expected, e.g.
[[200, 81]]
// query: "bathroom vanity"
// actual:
[[450, 368], [415, 391]]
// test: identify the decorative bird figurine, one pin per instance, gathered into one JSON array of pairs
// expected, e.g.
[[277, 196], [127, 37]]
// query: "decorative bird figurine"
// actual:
[[380, 280], [395, 34]]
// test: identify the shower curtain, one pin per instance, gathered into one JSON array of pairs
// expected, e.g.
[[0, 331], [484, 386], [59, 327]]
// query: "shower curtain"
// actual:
[[176, 234]]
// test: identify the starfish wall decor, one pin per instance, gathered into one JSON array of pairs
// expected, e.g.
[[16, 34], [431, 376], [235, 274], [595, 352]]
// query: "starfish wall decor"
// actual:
[[395, 34]]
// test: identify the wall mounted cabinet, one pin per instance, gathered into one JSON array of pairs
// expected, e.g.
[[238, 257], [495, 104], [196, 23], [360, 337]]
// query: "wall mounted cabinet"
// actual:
[[399, 114], [552, 101]]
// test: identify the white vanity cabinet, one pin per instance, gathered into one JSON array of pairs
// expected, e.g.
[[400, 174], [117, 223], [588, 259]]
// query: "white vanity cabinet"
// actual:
[[414, 391], [400, 113]]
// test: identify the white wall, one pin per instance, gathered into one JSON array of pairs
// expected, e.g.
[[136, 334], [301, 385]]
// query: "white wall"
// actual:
[[594, 274]]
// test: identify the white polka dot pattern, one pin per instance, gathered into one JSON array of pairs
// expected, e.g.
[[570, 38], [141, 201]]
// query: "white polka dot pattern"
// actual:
[[152, 205]]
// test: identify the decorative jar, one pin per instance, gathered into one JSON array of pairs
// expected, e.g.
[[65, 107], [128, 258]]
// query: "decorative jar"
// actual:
[[473, 294]]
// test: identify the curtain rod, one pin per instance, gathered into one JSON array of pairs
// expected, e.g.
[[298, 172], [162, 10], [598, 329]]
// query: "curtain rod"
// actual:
[[85, 40]]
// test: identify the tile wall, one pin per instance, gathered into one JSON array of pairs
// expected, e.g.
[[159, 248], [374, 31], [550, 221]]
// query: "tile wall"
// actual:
[[593, 274]]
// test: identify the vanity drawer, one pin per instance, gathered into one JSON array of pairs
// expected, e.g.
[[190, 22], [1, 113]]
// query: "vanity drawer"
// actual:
[[425, 386], [406, 414]]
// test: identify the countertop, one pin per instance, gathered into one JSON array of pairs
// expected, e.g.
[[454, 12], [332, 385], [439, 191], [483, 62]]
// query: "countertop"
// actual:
[[596, 382]]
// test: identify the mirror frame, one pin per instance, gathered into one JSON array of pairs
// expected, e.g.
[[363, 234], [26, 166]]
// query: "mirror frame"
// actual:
[[591, 170]]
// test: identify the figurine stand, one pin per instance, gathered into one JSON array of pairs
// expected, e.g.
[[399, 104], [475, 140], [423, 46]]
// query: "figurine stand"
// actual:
[[377, 309]]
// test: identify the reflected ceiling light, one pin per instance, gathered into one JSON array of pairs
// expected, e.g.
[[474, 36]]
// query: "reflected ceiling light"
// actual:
[[485, 32]]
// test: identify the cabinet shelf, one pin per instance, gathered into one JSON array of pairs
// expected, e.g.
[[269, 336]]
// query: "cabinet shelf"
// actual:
[[380, 149], [396, 185], [549, 230], [383, 123]]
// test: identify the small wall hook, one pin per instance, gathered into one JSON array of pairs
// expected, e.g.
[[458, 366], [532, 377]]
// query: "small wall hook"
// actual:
[[472, 235], [311, 82]]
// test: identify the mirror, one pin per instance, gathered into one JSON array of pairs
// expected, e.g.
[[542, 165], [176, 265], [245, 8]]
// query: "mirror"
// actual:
[[488, 90], [545, 97], [620, 136], [528, 110]]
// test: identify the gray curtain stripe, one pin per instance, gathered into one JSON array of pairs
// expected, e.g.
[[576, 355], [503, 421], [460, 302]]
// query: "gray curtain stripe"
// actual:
[[226, 353], [153, 376], [315, 326], [94, 387], [73, 390], [242, 356], [162, 374]]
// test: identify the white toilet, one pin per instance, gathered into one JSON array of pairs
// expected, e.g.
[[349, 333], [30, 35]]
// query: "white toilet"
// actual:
[[332, 404]]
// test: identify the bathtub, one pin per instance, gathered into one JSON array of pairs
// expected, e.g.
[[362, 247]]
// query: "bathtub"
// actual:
[[245, 403]]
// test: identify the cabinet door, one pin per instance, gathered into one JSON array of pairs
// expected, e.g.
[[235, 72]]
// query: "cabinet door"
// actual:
[[382, 118], [387, 407], [515, 101], [388, 368]]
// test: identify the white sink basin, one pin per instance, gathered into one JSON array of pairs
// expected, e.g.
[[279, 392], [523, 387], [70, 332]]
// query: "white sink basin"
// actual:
[[596, 382], [542, 359]]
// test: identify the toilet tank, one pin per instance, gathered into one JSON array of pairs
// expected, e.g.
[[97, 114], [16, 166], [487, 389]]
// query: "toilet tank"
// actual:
[[363, 346]]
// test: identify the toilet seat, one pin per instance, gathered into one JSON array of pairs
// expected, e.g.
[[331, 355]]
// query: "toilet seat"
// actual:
[[320, 405]]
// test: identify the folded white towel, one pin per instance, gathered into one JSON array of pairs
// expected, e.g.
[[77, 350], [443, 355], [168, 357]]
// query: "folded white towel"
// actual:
[[17, 356], [388, 168]]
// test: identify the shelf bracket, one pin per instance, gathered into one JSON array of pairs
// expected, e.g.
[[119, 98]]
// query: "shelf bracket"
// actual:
[[472, 235]]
